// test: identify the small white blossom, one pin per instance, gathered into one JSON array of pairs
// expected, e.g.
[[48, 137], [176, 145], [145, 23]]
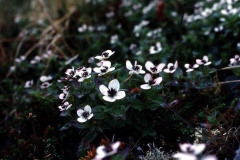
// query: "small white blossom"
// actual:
[[65, 106], [84, 114], [156, 48], [134, 69], [105, 68], [19, 60], [105, 151], [171, 67], [105, 55], [83, 74], [112, 93], [235, 60], [194, 149], [45, 78], [114, 39], [83, 28], [203, 61], [190, 67], [28, 84], [65, 90], [35, 60], [154, 69], [150, 81], [45, 85]]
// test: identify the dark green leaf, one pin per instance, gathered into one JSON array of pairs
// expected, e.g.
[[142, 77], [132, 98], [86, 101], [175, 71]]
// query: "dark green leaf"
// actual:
[[90, 136]]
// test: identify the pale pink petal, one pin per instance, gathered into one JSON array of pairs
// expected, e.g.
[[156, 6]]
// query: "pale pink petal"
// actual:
[[99, 57], [111, 69], [88, 109], [129, 65], [205, 58], [176, 65], [103, 89], [120, 95], [189, 70], [199, 61], [145, 86], [160, 67], [90, 116], [166, 70], [115, 145], [147, 77], [97, 70], [81, 119], [157, 81], [209, 158], [114, 84], [80, 112], [187, 65], [149, 65], [195, 66], [109, 99], [207, 63]]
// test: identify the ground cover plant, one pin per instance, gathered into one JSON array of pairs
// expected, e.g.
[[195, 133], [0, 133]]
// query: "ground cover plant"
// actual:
[[102, 79]]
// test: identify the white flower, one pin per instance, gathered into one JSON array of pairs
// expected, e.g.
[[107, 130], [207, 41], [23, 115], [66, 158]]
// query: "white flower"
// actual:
[[105, 68], [83, 73], [156, 48], [112, 93], [114, 39], [154, 69], [171, 68], [45, 78], [35, 60], [65, 90], [19, 60], [193, 149], [234, 60], [203, 61], [84, 114], [190, 67], [105, 151], [65, 106], [134, 69], [45, 85], [150, 82], [105, 55], [28, 84], [83, 28]]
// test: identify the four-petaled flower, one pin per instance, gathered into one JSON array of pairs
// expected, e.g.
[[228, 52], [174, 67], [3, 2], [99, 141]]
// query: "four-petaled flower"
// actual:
[[83, 73], [45, 85], [156, 48], [134, 69], [190, 67], [28, 84], [235, 60], [105, 151], [190, 152], [112, 93], [65, 106], [84, 114], [171, 67], [105, 55], [203, 61], [105, 68], [150, 81], [154, 69]]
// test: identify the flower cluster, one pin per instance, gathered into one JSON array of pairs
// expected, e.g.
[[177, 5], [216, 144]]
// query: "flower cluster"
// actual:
[[45, 80], [203, 61]]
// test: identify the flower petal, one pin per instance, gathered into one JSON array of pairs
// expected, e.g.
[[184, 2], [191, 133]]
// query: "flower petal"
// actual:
[[199, 61], [145, 86], [107, 64], [205, 58], [109, 99], [81, 119], [184, 156], [88, 109], [129, 65], [103, 89], [90, 116], [157, 81], [80, 112], [149, 65], [198, 148], [114, 84], [147, 77], [187, 65], [120, 95], [99, 57], [97, 70], [160, 67], [207, 63]]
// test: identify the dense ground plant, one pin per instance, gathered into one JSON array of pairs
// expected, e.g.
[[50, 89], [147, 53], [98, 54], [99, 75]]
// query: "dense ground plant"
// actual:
[[169, 77]]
